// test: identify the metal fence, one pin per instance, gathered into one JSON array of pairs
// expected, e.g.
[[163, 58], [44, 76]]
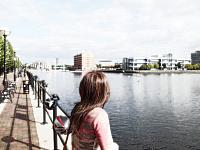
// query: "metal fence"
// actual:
[[39, 90]]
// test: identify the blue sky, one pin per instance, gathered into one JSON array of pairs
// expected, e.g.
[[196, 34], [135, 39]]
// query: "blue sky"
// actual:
[[110, 29]]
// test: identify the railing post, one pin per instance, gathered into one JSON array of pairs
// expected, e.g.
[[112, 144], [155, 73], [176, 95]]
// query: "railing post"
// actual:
[[38, 92], [32, 81], [35, 77], [44, 85], [30, 78], [55, 138]]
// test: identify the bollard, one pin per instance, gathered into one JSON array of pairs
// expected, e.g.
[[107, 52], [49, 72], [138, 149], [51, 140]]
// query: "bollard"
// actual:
[[38, 94], [55, 138], [44, 85]]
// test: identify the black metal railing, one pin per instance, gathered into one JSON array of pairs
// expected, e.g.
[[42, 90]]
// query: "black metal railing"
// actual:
[[39, 88]]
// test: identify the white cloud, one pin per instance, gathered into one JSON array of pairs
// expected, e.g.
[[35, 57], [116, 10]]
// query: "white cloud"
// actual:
[[119, 28]]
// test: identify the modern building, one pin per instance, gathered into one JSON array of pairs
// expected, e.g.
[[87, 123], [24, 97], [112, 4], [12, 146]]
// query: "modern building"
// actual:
[[195, 57], [127, 64], [164, 62], [84, 61], [40, 65]]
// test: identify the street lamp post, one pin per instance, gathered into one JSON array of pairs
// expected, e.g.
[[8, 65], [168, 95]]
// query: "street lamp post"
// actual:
[[14, 66], [5, 33]]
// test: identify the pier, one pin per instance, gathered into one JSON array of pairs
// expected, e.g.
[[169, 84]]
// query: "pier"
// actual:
[[25, 123], [17, 123]]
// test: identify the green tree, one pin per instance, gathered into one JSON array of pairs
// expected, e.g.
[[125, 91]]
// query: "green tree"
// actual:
[[198, 66], [9, 56], [18, 63], [145, 67], [1, 52], [149, 66], [98, 65], [156, 66], [189, 66], [194, 67]]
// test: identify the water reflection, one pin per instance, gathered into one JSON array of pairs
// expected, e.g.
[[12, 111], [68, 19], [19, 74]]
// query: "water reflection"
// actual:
[[146, 111]]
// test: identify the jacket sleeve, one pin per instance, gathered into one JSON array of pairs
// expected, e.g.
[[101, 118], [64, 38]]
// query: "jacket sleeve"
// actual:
[[102, 130]]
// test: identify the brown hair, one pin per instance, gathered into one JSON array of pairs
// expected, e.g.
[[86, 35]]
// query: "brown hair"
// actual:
[[94, 91]]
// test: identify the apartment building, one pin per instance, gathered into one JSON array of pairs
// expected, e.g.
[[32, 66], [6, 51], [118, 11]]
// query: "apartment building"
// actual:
[[84, 61]]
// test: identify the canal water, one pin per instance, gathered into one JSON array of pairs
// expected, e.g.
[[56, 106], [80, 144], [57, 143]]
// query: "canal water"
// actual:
[[147, 112]]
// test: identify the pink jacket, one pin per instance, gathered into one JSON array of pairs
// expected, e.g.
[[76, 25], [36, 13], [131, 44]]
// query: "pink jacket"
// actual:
[[94, 132]]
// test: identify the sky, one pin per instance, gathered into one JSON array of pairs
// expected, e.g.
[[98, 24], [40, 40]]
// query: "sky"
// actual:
[[110, 29]]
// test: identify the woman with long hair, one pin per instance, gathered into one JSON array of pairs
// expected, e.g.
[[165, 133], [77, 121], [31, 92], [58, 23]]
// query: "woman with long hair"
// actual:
[[89, 122]]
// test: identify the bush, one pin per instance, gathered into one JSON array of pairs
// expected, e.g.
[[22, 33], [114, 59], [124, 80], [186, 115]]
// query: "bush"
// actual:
[[156, 66], [145, 67], [192, 66]]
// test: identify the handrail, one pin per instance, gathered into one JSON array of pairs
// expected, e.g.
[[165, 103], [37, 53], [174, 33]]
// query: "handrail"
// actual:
[[39, 89], [63, 111], [43, 88]]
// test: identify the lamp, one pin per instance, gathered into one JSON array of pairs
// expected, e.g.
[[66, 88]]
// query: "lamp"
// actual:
[[14, 66], [4, 33]]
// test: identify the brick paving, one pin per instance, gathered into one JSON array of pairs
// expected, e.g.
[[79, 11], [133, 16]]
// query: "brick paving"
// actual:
[[17, 123]]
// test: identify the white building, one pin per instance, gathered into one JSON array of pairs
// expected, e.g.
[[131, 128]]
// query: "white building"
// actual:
[[41, 65], [165, 61]]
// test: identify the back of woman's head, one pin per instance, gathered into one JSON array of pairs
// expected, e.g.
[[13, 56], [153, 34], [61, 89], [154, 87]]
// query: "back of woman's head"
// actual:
[[94, 91]]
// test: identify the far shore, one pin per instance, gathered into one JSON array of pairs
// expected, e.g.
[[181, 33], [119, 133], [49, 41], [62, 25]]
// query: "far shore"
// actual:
[[144, 71], [168, 71], [152, 71]]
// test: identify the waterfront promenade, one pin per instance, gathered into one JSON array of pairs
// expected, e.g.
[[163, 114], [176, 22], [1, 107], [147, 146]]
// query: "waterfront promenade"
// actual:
[[17, 123]]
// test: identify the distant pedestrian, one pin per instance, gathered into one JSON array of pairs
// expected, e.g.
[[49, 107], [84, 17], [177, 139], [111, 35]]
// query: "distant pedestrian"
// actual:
[[89, 122], [20, 73], [24, 72]]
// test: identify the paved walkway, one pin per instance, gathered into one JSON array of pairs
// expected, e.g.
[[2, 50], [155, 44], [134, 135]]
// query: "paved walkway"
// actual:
[[17, 125]]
